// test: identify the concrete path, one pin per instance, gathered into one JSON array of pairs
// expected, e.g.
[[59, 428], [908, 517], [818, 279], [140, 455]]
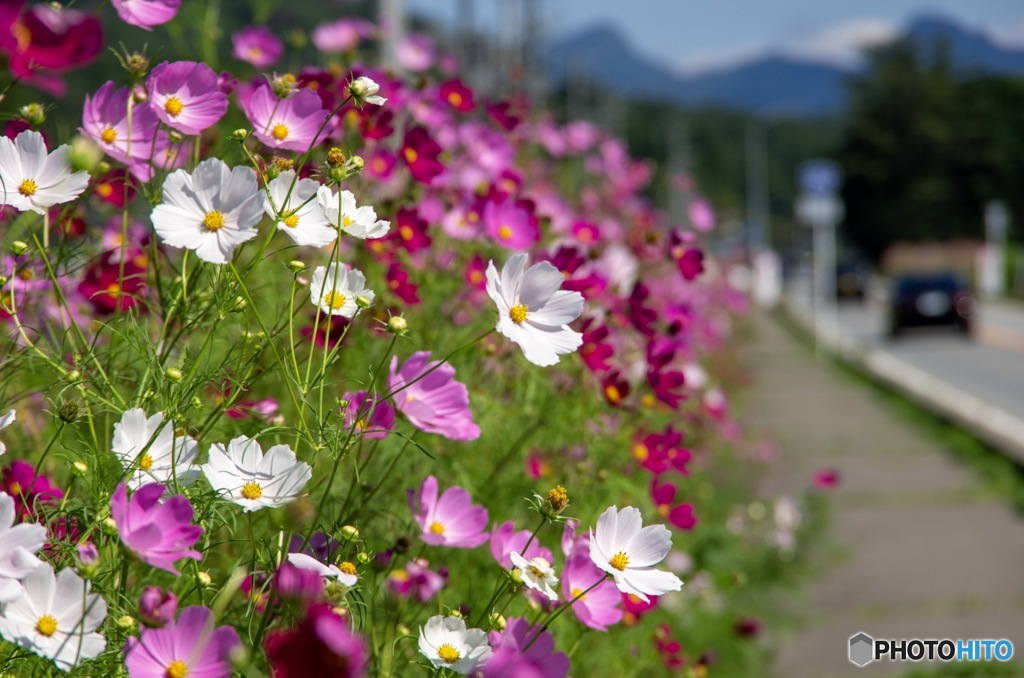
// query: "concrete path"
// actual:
[[925, 553]]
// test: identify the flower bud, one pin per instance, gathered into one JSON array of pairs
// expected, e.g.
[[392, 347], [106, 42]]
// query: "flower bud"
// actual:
[[126, 624], [335, 157], [357, 163], [19, 247], [34, 114], [88, 554], [79, 469], [109, 527], [455, 612], [517, 576], [173, 374], [364, 558], [282, 163], [204, 579], [87, 155], [496, 621], [239, 305], [175, 136], [338, 174], [196, 402], [349, 532], [240, 135], [557, 499], [363, 302], [296, 266], [398, 325], [69, 410], [283, 86], [157, 607], [138, 64], [74, 375], [3, 280], [139, 94]]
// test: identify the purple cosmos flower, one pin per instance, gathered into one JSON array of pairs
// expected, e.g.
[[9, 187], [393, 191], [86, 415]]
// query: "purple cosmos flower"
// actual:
[[322, 645], [257, 45], [453, 520], [512, 658], [342, 35], [290, 124], [418, 580], [435, 403], [189, 647], [511, 224], [298, 583], [599, 608], [159, 533], [157, 607], [505, 540], [105, 119], [146, 13], [373, 418], [184, 94]]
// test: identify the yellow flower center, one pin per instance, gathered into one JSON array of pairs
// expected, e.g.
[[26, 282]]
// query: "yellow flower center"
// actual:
[[280, 132], [174, 106], [411, 156], [448, 654], [455, 99], [619, 561], [347, 568], [28, 188], [641, 452], [334, 300], [518, 313], [537, 572], [176, 669], [105, 190], [504, 232], [108, 135], [406, 232], [577, 592], [436, 528], [14, 489], [252, 490], [255, 52], [213, 220], [613, 393], [46, 626], [291, 221], [346, 221], [146, 462]]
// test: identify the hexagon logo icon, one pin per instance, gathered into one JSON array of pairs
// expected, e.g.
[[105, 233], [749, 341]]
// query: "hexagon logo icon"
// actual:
[[862, 649]]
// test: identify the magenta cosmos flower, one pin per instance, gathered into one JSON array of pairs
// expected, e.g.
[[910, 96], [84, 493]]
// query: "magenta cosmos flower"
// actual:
[[373, 418], [105, 119], [505, 540], [428, 395], [43, 41], [322, 645], [599, 608], [257, 45], [522, 651], [158, 533], [184, 94], [453, 520], [146, 13], [511, 224], [192, 646], [290, 124]]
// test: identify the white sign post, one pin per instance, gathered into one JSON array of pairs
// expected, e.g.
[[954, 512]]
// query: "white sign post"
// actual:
[[820, 207]]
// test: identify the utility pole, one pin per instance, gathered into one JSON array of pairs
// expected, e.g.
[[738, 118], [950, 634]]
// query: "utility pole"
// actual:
[[392, 20]]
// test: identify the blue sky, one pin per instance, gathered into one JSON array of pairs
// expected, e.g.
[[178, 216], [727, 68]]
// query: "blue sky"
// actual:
[[696, 35]]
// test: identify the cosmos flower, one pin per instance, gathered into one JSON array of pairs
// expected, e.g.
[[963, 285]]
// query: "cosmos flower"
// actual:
[[290, 124], [211, 211], [364, 90], [420, 153], [105, 120], [32, 179], [453, 520], [322, 645], [56, 617], [625, 549], [341, 35], [157, 532], [599, 608], [533, 311], [427, 393], [448, 644], [504, 540], [257, 45], [191, 646], [537, 574], [373, 418], [21, 542], [293, 207], [334, 290], [344, 573], [522, 650], [146, 13], [157, 607], [44, 40], [150, 456], [247, 477], [341, 211], [185, 96]]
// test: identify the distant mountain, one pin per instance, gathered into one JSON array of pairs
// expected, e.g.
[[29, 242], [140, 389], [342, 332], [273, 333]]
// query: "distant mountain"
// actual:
[[782, 84]]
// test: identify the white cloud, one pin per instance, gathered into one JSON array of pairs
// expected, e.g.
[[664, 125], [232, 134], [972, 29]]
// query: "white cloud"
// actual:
[[1008, 36]]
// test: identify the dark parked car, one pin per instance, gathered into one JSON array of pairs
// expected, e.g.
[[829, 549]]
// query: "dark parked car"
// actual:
[[852, 281], [931, 300]]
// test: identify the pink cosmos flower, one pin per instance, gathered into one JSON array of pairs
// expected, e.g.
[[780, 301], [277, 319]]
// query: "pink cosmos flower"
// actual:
[[192, 646], [505, 540], [375, 417], [322, 645], [416, 52], [105, 119], [417, 580], [157, 607], [184, 94], [599, 608], [511, 224], [701, 214], [159, 533], [453, 520], [518, 655], [342, 35], [146, 13], [257, 45], [435, 403], [290, 124]]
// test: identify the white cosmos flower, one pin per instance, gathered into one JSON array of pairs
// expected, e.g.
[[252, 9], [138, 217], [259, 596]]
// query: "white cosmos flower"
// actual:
[[6, 421], [56, 617], [334, 290], [165, 458], [244, 475], [537, 574], [532, 309], [341, 211], [212, 210], [31, 179], [625, 549], [301, 217], [20, 544], [364, 89], [346, 573], [448, 644]]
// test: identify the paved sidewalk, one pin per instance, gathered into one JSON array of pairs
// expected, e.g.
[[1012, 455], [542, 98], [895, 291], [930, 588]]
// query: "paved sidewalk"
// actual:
[[926, 553]]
